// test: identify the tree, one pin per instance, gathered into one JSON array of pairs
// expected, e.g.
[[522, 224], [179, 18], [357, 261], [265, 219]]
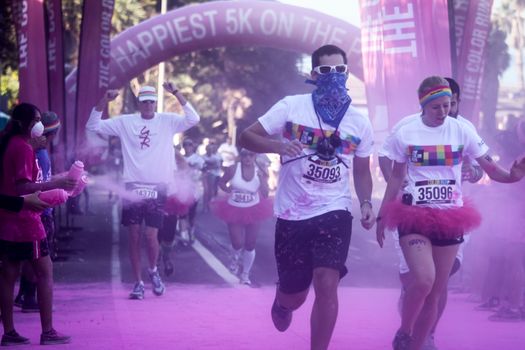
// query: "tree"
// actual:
[[235, 84], [496, 62], [8, 57], [511, 19]]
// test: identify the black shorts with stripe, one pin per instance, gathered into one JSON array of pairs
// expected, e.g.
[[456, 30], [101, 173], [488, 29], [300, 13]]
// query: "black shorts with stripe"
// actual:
[[20, 251]]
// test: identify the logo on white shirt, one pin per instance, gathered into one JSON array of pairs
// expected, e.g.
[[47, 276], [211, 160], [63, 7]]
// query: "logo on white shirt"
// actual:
[[144, 136]]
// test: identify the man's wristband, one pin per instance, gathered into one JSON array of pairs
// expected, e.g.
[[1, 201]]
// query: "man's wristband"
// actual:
[[366, 201]]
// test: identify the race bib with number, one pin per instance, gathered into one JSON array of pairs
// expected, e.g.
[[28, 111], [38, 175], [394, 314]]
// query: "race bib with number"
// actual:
[[435, 191], [145, 191], [317, 170], [242, 197]]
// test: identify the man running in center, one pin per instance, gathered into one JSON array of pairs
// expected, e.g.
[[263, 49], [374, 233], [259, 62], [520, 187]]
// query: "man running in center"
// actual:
[[322, 138]]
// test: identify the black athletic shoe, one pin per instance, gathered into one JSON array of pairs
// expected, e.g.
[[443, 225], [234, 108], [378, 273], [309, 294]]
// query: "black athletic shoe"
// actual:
[[401, 341], [13, 338], [281, 317], [53, 338]]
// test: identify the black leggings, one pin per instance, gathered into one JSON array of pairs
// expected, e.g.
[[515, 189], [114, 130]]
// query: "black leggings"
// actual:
[[169, 229]]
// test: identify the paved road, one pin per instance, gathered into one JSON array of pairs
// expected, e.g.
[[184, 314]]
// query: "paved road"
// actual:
[[203, 309], [89, 252]]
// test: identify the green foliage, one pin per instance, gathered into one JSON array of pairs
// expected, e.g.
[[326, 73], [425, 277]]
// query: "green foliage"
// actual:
[[497, 61], [8, 50], [9, 87], [233, 86], [228, 86]]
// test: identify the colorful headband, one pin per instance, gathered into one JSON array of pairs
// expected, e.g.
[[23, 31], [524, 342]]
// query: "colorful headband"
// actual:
[[52, 127], [432, 94]]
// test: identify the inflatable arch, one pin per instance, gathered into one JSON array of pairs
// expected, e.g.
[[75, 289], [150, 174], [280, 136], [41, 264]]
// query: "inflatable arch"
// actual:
[[225, 23]]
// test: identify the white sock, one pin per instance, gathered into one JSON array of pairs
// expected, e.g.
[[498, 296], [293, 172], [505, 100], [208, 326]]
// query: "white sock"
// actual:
[[247, 260], [152, 270], [236, 254]]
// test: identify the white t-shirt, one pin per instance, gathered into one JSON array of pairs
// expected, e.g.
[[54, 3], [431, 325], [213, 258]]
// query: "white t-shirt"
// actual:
[[384, 150], [309, 186], [147, 144], [195, 161], [434, 156]]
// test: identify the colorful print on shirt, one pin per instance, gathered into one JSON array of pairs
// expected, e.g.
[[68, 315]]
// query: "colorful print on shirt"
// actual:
[[438, 155], [144, 137], [310, 137]]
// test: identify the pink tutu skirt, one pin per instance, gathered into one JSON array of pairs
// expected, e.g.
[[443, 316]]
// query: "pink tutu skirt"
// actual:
[[243, 216], [175, 206], [432, 222]]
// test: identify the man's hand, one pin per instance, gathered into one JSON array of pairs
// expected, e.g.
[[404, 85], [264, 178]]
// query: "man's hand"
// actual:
[[291, 149], [109, 96], [33, 202], [170, 87], [367, 216]]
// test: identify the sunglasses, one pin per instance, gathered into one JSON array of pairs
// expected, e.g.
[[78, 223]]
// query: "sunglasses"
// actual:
[[326, 69]]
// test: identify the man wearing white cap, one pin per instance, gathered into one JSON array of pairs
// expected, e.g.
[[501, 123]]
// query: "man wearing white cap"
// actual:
[[149, 165]]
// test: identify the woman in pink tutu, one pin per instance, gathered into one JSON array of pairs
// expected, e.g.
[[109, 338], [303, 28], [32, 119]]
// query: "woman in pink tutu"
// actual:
[[245, 207], [431, 217]]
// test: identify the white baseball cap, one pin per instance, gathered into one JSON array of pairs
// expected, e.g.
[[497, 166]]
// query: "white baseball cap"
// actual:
[[147, 93]]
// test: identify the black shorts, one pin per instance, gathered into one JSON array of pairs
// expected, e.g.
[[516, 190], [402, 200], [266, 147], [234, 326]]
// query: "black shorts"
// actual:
[[440, 242], [151, 211], [303, 245], [20, 251]]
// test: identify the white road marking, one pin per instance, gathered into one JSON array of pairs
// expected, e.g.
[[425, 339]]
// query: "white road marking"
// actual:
[[215, 264]]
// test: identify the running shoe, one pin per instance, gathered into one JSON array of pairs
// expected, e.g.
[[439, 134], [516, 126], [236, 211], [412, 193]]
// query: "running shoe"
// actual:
[[138, 291], [401, 341], [245, 279], [53, 338], [13, 338], [429, 343], [156, 281], [489, 305], [506, 314], [281, 317]]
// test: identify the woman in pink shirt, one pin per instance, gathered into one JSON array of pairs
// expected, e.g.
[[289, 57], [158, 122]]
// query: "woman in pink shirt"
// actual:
[[22, 236]]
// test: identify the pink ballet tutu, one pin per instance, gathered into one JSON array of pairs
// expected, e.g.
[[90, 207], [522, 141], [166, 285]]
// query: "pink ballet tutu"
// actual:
[[244, 216], [432, 222], [175, 206]]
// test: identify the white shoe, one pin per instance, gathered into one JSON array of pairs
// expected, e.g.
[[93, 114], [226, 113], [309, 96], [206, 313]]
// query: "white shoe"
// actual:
[[245, 279]]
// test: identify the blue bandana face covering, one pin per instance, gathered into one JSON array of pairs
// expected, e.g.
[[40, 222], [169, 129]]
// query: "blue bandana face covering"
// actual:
[[330, 99]]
